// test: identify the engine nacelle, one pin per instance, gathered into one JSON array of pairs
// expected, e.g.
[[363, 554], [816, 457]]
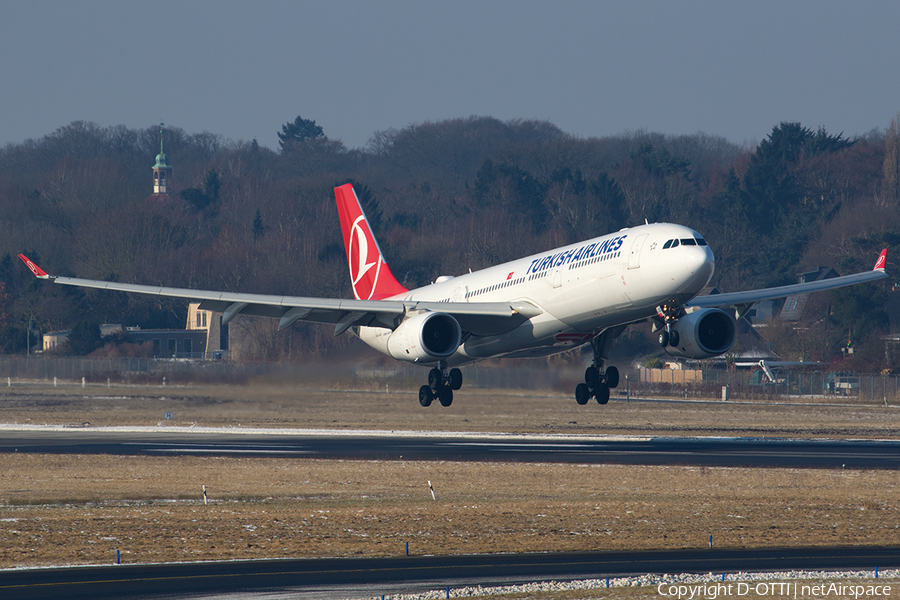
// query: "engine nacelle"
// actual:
[[704, 333], [425, 337]]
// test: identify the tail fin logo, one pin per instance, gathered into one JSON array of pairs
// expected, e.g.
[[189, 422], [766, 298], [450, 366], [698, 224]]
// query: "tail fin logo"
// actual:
[[359, 254], [882, 260]]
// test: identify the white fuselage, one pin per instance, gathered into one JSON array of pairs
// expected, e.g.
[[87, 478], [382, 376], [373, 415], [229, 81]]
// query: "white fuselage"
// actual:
[[582, 289]]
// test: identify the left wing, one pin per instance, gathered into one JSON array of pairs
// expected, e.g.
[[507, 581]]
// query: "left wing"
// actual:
[[484, 318], [745, 299]]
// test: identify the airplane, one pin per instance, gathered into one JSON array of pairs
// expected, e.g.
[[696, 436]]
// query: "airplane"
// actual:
[[540, 305]]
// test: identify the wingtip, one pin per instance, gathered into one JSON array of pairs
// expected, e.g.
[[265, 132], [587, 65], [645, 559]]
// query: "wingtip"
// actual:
[[882, 260], [38, 272]]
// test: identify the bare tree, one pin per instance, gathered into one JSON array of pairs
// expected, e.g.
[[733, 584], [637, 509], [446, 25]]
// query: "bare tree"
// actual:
[[892, 161]]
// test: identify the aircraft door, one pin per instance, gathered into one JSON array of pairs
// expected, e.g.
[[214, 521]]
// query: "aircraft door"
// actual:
[[460, 294], [556, 277], [634, 259]]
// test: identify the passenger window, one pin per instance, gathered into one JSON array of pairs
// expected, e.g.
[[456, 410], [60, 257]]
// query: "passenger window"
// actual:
[[667, 245], [688, 242]]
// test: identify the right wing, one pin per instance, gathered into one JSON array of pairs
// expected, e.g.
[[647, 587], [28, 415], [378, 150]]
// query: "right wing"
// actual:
[[746, 299], [484, 318]]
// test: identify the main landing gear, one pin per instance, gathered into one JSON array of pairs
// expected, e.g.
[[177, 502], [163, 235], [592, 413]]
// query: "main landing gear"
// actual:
[[596, 384], [597, 381], [441, 384]]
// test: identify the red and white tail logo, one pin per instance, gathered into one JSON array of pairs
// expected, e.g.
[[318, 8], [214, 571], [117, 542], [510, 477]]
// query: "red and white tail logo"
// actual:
[[882, 260], [369, 273]]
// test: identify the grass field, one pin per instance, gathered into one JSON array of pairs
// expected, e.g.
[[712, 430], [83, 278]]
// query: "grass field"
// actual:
[[61, 509], [80, 509], [472, 410]]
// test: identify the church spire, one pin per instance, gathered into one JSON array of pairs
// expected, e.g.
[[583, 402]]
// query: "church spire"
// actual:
[[162, 170]]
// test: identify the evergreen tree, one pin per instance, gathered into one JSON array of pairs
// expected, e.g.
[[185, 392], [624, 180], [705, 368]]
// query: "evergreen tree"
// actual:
[[774, 204], [772, 187], [301, 129], [200, 199], [259, 229]]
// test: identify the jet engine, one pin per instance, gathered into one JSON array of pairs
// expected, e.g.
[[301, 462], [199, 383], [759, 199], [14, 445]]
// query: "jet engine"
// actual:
[[703, 333], [425, 337]]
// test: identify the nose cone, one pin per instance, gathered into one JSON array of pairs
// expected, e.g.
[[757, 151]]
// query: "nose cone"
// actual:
[[700, 265]]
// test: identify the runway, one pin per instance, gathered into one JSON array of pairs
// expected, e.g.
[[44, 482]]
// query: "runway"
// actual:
[[316, 579], [714, 452], [358, 577]]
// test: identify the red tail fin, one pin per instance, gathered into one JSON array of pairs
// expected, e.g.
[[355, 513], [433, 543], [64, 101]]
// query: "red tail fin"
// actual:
[[882, 260], [369, 273]]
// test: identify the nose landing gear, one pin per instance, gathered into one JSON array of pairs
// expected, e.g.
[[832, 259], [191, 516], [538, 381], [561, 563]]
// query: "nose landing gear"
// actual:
[[668, 314], [441, 384]]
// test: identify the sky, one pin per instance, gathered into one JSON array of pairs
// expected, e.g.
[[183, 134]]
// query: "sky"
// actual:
[[593, 68]]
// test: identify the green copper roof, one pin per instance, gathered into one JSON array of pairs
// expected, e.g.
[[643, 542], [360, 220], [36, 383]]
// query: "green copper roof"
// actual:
[[162, 161]]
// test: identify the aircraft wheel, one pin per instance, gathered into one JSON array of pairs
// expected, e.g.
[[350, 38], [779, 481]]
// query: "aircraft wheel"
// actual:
[[445, 396], [435, 379], [455, 379], [425, 396], [612, 377], [602, 394], [582, 394], [674, 339], [592, 377], [663, 338]]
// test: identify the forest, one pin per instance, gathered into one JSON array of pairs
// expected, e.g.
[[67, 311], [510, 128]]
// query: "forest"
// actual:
[[443, 197]]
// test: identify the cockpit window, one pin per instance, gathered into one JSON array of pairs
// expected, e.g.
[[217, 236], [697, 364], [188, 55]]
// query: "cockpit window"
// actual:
[[667, 244], [674, 243], [688, 242], [700, 241]]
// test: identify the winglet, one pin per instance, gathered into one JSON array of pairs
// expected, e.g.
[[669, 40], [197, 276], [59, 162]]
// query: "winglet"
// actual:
[[38, 272], [882, 259]]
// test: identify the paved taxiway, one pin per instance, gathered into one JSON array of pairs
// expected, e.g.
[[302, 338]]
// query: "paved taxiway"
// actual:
[[730, 452], [307, 578]]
